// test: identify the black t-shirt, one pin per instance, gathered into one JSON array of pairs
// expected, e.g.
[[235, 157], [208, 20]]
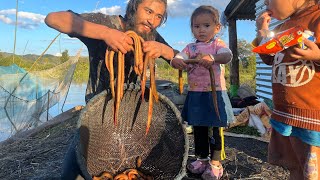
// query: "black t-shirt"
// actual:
[[98, 73]]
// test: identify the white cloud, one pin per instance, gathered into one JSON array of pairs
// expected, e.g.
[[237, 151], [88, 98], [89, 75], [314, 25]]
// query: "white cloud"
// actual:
[[70, 40], [37, 18], [67, 38], [58, 54], [180, 43], [182, 8], [176, 8], [26, 20], [114, 10], [5, 19], [8, 11]]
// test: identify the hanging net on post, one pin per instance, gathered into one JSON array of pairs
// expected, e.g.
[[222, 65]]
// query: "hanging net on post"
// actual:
[[25, 95]]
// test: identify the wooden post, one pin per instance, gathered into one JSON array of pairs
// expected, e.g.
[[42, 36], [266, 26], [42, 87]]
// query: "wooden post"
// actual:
[[48, 104], [234, 66]]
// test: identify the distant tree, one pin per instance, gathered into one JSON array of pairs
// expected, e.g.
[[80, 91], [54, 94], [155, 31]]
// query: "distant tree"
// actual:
[[64, 57], [247, 64], [244, 51], [6, 61]]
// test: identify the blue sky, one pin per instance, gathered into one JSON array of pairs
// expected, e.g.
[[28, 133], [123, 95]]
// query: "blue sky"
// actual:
[[33, 36]]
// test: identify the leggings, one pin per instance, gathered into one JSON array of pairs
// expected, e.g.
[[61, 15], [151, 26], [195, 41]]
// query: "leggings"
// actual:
[[206, 138]]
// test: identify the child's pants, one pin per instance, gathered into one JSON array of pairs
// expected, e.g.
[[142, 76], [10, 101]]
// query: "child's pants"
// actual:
[[205, 138], [302, 160]]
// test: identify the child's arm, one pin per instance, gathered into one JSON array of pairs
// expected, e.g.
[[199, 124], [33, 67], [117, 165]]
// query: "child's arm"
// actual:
[[223, 56], [262, 23]]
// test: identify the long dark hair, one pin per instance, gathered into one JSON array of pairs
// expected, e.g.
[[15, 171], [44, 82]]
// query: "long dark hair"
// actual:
[[132, 11]]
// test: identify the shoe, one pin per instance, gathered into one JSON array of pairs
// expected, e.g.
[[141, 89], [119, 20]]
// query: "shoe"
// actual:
[[198, 166], [212, 172]]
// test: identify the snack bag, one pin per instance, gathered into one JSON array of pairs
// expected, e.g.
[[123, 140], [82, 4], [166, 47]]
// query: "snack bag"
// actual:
[[308, 35], [283, 40]]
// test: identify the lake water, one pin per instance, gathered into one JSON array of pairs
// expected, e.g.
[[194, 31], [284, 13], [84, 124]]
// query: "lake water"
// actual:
[[75, 97]]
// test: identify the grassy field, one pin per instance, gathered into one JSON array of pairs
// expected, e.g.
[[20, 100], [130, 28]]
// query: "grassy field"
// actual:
[[247, 73], [164, 70]]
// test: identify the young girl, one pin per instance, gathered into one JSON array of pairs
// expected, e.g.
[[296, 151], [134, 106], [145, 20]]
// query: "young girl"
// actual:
[[199, 109], [295, 138]]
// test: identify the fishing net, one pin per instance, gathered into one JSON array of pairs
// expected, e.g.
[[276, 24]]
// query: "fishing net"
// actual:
[[103, 146], [24, 95]]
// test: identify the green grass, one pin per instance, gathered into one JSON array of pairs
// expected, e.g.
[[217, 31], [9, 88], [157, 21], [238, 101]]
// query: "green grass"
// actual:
[[244, 130], [164, 71]]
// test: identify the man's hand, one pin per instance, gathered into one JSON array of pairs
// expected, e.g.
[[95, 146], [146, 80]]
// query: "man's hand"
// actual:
[[118, 40], [154, 48]]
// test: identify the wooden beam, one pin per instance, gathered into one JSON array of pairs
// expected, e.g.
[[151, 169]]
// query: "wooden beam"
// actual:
[[234, 65], [235, 9], [250, 17]]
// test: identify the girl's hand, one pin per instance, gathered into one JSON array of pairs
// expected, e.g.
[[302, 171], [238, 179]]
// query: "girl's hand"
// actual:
[[178, 64], [206, 61], [312, 53]]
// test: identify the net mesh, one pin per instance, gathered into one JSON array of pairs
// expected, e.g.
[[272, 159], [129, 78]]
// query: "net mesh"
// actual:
[[102, 146], [24, 95]]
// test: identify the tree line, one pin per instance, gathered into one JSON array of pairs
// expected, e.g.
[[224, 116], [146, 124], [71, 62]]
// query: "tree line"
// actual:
[[247, 66]]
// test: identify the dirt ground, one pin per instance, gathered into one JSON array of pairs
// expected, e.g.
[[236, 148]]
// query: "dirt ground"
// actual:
[[245, 159], [38, 154]]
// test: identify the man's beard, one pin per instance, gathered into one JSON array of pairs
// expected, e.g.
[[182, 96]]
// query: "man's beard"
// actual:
[[131, 25]]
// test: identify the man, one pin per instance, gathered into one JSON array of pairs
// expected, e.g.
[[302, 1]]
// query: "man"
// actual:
[[97, 32]]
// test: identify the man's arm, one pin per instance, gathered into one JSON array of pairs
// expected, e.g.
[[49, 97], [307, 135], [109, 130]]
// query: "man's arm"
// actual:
[[70, 23]]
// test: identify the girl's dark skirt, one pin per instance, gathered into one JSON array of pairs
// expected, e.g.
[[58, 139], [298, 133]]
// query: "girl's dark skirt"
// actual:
[[199, 110]]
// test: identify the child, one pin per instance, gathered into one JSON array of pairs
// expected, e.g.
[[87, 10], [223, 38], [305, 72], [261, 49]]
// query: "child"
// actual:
[[295, 138], [199, 109]]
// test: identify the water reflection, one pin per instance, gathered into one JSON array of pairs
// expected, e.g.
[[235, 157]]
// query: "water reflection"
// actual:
[[75, 97]]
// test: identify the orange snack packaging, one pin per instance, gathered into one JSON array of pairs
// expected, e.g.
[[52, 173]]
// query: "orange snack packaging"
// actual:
[[283, 40]]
